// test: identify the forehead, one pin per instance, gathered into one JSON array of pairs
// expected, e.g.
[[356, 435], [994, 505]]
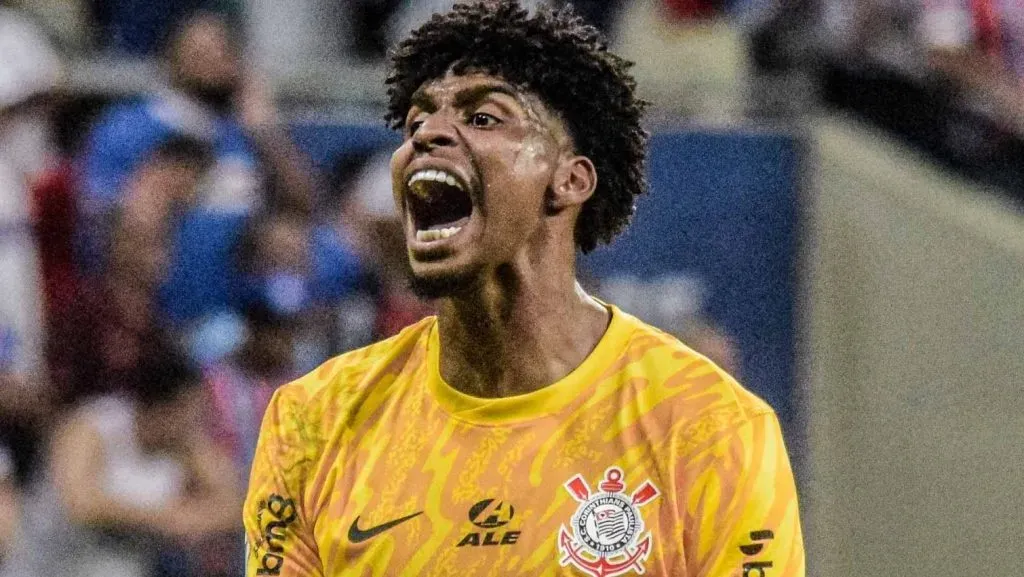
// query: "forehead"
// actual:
[[463, 89], [203, 28], [459, 90]]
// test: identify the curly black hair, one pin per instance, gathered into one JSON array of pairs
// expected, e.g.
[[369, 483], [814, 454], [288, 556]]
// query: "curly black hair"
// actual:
[[559, 58]]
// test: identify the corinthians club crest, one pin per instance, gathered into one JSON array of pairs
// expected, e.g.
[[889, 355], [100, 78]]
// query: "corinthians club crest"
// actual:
[[607, 535]]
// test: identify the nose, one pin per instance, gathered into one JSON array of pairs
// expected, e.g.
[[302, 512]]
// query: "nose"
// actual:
[[436, 131]]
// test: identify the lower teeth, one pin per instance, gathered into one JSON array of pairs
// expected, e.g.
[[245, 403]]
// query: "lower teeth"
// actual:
[[437, 233]]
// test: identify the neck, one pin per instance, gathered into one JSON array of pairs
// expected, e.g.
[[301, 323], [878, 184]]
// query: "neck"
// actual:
[[517, 333]]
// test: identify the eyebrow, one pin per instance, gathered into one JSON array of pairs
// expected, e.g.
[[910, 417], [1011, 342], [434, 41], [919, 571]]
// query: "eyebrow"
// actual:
[[473, 94]]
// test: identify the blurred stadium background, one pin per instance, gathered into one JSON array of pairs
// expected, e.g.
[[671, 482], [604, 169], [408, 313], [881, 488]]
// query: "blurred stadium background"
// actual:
[[835, 216]]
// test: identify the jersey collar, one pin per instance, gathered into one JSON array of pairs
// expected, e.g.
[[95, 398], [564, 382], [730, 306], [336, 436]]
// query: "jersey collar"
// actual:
[[543, 402]]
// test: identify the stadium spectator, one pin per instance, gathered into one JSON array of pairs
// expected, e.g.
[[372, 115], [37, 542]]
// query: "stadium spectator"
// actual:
[[30, 77], [204, 77], [282, 309], [943, 74], [875, 63], [240, 387], [980, 46], [211, 98], [30, 72], [95, 345], [368, 223], [298, 269], [130, 475]]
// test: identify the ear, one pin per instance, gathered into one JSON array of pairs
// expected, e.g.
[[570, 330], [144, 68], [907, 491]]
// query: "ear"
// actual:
[[574, 182]]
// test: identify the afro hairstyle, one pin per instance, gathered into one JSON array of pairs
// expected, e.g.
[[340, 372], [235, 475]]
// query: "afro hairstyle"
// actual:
[[554, 55]]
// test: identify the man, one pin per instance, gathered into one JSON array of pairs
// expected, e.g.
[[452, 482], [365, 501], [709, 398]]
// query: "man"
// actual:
[[130, 476], [203, 84], [31, 72], [979, 46], [208, 97], [30, 77], [529, 428]]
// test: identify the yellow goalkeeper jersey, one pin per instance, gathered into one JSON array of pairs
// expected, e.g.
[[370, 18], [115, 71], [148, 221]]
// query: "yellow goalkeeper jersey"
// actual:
[[646, 459]]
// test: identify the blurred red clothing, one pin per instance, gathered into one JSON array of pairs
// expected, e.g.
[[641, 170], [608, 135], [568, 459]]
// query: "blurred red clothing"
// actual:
[[693, 9], [238, 401], [54, 221], [96, 343]]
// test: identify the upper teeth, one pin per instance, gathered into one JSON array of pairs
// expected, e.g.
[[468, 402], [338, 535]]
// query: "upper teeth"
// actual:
[[435, 175], [437, 233]]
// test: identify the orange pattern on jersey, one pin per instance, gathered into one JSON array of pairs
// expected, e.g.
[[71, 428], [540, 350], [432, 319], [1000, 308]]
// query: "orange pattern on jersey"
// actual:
[[372, 465]]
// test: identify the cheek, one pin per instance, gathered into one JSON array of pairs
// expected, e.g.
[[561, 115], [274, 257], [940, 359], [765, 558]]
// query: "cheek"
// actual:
[[516, 180], [532, 158], [399, 160]]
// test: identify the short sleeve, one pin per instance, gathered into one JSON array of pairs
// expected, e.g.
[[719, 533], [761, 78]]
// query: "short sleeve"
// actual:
[[278, 524], [741, 516]]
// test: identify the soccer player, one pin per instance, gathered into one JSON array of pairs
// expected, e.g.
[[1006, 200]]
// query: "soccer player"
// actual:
[[528, 428]]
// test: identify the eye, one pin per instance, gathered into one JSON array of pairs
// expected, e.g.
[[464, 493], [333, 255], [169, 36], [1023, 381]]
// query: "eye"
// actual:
[[483, 120], [414, 126]]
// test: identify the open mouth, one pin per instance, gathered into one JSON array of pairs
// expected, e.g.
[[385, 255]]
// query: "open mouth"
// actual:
[[439, 204]]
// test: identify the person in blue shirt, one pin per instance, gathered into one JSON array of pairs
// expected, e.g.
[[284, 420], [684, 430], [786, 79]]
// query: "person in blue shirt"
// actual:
[[210, 97], [199, 100]]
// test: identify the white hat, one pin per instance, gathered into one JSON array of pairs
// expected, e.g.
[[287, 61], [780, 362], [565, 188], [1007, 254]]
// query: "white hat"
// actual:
[[29, 65]]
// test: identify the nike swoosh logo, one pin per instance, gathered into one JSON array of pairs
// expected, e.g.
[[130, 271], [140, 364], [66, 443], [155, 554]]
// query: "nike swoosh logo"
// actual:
[[357, 535]]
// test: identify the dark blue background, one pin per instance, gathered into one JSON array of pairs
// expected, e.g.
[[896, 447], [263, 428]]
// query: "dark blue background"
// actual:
[[723, 207]]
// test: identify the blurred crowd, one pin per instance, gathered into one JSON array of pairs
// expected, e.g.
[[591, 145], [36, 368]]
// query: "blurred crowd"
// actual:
[[168, 259], [946, 76], [160, 279]]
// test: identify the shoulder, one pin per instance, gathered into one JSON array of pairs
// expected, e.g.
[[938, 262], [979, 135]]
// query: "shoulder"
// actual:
[[699, 392], [96, 422], [337, 387], [107, 413], [310, 414], [125, 119]]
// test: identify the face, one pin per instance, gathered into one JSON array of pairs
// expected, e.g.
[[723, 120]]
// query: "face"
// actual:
[[205, 60], [272, 349], [284, 246], [471, 178], [165, 426], [158, 188]]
